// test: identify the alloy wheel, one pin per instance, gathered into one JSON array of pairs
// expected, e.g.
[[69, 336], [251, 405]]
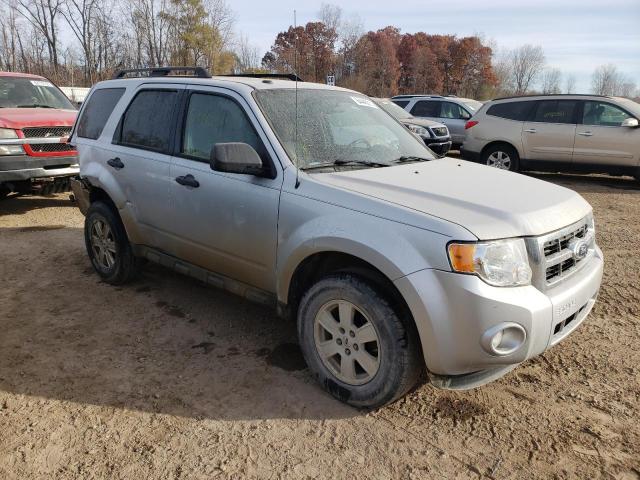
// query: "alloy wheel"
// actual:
[[103, 244], [499, 160], [347, 342]]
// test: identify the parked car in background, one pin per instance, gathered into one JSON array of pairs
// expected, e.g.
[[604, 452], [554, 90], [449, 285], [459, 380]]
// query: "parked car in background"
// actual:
[[435, 135], [450, 110], [35, 122], [76, 94], [313, 200], [572, 133]]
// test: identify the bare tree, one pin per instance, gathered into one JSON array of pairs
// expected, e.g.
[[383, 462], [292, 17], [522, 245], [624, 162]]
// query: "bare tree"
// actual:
[[551, 79], [43, 16], [331, 16], [527, 63], [606, 80], [247, 56], [570, 84], [81, 16]]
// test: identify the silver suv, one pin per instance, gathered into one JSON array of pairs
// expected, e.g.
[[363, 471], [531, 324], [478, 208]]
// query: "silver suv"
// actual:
[[572, 133], [451, 110], [390, 261]]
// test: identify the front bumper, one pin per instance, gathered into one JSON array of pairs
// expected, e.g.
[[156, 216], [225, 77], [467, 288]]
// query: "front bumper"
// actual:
[[440, 147], [453, 312], [24, 167]]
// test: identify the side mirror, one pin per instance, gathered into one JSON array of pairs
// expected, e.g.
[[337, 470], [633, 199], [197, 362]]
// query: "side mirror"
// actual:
[[630, 122], [236, 158]]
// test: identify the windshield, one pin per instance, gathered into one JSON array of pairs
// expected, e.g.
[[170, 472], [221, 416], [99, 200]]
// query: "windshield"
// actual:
[[337, 126], [473, 105], [22, 92], [393, 109]]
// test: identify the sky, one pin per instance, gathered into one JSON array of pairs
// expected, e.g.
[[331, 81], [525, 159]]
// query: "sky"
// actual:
[[577, 35]]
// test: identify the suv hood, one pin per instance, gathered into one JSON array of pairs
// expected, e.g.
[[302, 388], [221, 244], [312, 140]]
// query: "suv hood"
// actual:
[[489, 202], [422, 122], [18, 118]]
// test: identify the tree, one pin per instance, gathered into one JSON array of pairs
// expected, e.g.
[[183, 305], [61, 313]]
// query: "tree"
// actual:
[[551, 79], [605, 80], [527, 63], [43, 16], [377, 66], [570, 85]]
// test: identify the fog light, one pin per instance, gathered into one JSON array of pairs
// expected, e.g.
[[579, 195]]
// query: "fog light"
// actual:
[[503, 339]]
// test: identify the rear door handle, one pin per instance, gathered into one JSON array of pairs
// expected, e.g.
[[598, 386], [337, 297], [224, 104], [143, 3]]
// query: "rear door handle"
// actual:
[[531, 130], [188, 181], [115, 163], [586, 134]]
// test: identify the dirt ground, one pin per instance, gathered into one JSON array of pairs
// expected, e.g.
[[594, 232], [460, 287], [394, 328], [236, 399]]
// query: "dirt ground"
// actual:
[[167, 378]]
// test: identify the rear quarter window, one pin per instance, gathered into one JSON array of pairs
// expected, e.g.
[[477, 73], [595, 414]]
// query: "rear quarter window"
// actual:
[[97, 111], [512, 110]]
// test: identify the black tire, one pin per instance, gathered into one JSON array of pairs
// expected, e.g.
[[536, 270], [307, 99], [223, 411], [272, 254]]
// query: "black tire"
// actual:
[[125, 264], [504, 149], [4, 192], [400, 362]]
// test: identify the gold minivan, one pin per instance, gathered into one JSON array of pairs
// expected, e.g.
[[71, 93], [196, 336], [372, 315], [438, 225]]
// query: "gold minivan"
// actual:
[[569, 133]]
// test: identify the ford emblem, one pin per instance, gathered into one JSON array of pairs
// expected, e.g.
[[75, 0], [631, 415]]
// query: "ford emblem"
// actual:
[[579, 250]]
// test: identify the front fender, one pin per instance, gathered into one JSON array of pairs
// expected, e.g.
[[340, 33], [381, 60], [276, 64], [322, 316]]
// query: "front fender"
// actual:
[[388, 246]]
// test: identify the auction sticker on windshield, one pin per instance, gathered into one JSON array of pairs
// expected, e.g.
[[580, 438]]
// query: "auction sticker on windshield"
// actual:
[[41, 83]]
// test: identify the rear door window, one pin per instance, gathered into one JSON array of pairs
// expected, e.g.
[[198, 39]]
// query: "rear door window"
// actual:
[[556, 111], [148, 121], [97, 111], [511, 110], [426, 108]]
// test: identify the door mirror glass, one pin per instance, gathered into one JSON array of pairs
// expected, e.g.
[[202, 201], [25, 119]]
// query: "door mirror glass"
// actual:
[[236, 157], [630, 122]]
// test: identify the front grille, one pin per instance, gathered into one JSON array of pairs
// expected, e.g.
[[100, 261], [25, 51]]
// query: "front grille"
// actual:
[[50, 147], [440, 131], [552, 256], [46, 132]]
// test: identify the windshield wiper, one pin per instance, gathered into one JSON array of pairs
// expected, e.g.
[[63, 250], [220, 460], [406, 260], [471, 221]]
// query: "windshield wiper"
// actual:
[[340, 162], [34, 105], [410, 158]]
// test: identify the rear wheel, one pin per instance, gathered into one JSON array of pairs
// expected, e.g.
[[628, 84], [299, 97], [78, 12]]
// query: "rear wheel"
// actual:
[[108, 246], [355, 344], [501, 156]]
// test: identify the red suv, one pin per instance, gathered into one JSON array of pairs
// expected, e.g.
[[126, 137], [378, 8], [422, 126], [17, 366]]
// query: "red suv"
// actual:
[[35, 122]]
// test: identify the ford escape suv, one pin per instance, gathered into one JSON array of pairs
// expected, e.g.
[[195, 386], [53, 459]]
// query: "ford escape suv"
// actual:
[[35, 123], [328, 209], [561, 133]]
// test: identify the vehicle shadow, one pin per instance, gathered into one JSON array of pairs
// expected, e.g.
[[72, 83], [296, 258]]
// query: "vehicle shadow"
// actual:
[[591, 183], [21, 204], [163, 344]]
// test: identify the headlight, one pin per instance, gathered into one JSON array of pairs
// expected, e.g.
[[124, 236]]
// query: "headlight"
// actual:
[[11, 150], [502, 263], [8, 133], [419, 130]]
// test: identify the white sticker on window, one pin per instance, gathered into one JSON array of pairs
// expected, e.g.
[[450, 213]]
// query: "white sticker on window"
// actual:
[[364, 102], [41, 83]]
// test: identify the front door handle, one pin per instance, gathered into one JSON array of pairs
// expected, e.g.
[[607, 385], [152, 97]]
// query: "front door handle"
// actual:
[[188, 181], [586, 134], [115, 163], [531, 130]]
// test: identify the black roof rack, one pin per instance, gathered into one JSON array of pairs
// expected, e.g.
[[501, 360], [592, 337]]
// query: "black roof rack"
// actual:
[[553, 95], [398, 97], [274, 76], [198, 72]]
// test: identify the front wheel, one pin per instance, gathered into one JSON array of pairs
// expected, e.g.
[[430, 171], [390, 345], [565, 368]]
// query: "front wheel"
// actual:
[[503, 157], [108, 246], [355, 344]]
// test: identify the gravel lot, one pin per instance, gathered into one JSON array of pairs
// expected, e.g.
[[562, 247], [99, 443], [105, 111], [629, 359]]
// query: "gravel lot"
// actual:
[[167, 378]]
